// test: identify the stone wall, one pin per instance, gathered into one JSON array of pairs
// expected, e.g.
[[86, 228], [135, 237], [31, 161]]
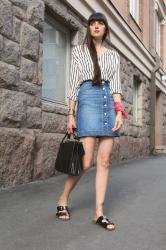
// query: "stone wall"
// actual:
[[30, 128], [134, 141], [164, 120]]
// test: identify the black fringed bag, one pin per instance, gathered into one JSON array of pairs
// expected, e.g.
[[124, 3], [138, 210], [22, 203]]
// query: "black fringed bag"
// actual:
[[69, 158]]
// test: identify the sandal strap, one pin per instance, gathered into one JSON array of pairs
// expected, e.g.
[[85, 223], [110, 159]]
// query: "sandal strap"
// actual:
[[109, 221], [61, 213], [61, 208], [103, 223]]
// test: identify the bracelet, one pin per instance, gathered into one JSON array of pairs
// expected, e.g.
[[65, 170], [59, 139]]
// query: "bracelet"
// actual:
[[70, 109]]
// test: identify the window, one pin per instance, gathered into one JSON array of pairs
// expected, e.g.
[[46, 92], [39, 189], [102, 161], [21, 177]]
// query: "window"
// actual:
[[158, 33], [56, 43], [137, 101], [134, 9]]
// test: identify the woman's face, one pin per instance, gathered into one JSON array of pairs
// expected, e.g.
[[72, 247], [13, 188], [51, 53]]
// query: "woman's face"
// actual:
[[97, 29]]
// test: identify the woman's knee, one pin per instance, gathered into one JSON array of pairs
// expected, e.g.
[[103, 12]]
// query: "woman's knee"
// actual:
[[87, 165], [103, 162], [88, 143]]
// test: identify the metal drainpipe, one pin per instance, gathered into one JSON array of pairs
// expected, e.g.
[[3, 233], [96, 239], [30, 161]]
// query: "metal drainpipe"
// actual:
[[153, 104]]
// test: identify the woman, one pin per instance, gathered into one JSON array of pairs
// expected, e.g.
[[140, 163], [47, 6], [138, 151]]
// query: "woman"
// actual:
[[95, 88]]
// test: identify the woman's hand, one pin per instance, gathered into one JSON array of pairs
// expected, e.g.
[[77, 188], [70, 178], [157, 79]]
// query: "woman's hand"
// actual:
[[70, 124], [118, 121]]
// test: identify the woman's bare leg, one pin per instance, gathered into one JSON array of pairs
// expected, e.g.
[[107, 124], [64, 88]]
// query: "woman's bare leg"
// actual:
[[88, 144], [102, 173]]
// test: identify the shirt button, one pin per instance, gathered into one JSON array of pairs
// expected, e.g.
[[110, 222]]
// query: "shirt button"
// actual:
[[104, 96], [105, 113], [105, 123], [103, 88], [105, 105]]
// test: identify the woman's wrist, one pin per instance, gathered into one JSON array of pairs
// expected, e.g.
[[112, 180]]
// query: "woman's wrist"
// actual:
[[71, 112], [119, 108], [71, 116], [119, 113]]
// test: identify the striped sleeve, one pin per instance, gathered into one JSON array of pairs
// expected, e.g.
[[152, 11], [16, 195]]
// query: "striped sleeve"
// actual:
[[115, 80], [73, 76]]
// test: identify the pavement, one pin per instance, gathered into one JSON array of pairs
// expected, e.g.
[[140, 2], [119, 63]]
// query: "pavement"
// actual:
[[135, 201]]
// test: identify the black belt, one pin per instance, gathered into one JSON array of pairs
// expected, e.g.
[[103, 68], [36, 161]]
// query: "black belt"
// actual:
[[105, 81]]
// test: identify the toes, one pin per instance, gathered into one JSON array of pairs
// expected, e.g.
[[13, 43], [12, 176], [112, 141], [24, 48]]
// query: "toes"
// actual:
[[110, 227], [64, 217]]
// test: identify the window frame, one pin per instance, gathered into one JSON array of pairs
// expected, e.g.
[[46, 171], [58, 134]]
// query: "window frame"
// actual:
[[60, 26], [157, 32], [134, 9], [137, 101]]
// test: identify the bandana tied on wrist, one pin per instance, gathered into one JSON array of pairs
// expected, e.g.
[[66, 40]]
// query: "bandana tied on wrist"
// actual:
[[118, 107]]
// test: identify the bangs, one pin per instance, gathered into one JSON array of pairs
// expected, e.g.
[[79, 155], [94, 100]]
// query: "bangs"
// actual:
[[97, 17]]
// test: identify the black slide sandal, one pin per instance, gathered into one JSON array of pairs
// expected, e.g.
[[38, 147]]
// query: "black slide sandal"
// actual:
[[63, 211], [104, 223]]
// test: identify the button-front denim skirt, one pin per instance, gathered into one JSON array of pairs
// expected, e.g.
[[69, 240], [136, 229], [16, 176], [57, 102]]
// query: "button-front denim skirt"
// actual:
[[95, 114]]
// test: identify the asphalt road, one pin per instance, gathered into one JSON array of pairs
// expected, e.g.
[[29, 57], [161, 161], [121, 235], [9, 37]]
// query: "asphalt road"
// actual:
[[135, 201]]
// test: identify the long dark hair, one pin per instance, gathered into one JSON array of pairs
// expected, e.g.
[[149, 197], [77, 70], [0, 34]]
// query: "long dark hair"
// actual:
[[97, 16]]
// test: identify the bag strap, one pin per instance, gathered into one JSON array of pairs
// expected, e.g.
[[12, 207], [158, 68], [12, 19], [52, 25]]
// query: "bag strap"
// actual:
[[66, 135], [69, 135]]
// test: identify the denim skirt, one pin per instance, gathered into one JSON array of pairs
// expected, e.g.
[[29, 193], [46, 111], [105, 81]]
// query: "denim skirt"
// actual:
[[95, 114]]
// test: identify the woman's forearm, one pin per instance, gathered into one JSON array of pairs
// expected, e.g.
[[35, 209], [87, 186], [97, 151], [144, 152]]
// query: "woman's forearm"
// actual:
[[117, 97], [119, 109], [72, 105]]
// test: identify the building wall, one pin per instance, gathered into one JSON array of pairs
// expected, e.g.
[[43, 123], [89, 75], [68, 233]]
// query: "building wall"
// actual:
[[122, 7], [145, 16], [20, 88], [164, 120], [163, 46], [140, 29], [31, 128], [145, 30]]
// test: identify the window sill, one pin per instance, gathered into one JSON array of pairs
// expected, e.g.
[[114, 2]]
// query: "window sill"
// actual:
[[137, 124], [54, 107]]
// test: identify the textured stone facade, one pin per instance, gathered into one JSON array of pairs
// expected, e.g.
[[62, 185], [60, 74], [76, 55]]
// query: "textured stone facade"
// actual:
[[164, 121], [31, 129]]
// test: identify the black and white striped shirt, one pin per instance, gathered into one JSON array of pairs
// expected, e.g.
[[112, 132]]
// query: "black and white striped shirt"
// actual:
[[82, 69]]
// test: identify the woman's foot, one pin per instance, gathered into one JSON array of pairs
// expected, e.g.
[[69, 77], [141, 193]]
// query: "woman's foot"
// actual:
[[63, 213], [104, 222], [62, 209]]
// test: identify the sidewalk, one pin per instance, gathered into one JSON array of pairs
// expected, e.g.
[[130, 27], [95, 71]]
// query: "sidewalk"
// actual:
[[135, 201]]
